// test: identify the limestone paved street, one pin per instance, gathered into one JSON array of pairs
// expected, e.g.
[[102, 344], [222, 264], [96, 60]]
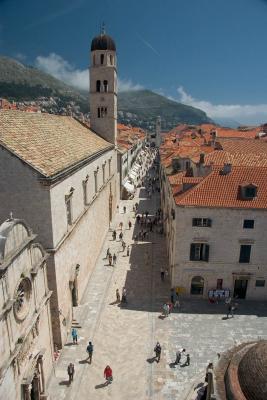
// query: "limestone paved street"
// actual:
[[124, 336]]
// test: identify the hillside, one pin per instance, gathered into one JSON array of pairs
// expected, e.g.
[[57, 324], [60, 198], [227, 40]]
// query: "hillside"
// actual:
[[25, 83]]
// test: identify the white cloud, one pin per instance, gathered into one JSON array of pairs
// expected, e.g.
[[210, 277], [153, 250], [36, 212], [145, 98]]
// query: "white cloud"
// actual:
[[61, 69], [20, 56], [247, 114], [125, 85], [56, 66]]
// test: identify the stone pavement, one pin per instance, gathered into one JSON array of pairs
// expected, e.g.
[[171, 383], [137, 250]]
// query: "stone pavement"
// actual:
[[124, 336]]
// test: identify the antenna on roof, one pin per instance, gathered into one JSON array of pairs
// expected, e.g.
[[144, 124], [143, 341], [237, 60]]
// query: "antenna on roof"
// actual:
[[103, 28]]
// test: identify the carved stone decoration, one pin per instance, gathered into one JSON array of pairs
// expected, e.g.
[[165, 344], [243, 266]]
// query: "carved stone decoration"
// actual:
[[22, 299]]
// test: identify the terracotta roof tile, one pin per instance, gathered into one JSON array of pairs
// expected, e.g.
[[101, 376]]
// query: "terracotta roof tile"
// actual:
[[218, 190], [49, 143]]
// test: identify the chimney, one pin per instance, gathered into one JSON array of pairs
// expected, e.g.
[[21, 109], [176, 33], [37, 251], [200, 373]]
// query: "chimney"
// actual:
[[227, 168], [201, 158]]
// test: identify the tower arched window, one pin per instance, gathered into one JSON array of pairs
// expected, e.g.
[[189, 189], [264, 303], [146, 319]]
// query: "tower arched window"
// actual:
[[98, 86], [94, 60], [102, 59], [111, 59], [105, 86]]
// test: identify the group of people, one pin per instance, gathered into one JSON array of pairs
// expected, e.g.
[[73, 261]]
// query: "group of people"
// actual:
[[179, 353], [108, 375], [123, 297], [173, 303]]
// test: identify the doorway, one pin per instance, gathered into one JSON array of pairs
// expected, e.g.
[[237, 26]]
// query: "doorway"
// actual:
[[197, 285], [240, 289]]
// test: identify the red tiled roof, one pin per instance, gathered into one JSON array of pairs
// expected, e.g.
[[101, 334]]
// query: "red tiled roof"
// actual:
[[217, 190]]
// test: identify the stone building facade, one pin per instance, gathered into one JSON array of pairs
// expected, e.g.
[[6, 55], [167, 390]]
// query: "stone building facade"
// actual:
[[62, 178], [26, 344], [214, 236]]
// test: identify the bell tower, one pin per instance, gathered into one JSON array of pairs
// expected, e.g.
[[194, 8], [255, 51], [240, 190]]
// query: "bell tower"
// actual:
[[103, 87]]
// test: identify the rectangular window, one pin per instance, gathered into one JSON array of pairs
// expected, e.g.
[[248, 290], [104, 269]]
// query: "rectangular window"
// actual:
[[260, 283], [248, 224], [98, 113], [104, 173], [69, 210], [85, 187], [201, 222], [96, 183], [199, 252], [245, 250]]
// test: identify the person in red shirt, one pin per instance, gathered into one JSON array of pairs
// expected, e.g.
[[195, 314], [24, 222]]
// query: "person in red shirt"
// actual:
[[108, 374]]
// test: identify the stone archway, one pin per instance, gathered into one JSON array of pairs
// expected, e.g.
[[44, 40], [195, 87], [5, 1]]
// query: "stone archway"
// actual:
[[33, 386], [197, 285]]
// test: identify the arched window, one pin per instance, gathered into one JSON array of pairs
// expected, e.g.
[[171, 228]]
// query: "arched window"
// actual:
[[105, 86], [98, 86], [94, 59], [98, 113], [102, 59], [197, 285], [106, 111], [111, 59]]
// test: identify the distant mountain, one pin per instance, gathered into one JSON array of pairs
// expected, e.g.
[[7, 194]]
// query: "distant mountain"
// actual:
[[25, 83], [227, 122], [144, 106]]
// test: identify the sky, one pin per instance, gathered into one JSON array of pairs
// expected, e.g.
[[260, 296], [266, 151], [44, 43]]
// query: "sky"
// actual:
[[210, 54]]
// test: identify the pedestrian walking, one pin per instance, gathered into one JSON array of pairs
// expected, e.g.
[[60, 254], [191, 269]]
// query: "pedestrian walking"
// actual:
[[179, 353], [128, 251], [114, 259], [90, 350], [187, 359], [162, 273], [138, 218], [108, 374], [172, 295], [110, 259], [118, 297], [121, 236], [176, 301], [157, 350], [123, 245], [74, 335], [136, 206], [129, 224], [165, 310], [124, 295], [114, 235], [71, 371], [108, 253], [121, 225], [124, 209]]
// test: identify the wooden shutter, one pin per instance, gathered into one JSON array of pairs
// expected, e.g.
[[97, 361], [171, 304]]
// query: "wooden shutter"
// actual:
[[192, 252], [206, 252]]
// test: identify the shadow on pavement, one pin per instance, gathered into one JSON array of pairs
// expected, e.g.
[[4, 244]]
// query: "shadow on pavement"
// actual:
[[101, 385], [64, 383], [151, 360]]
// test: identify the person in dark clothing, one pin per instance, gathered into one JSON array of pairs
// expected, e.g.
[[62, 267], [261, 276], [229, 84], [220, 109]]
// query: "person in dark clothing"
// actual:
[[70, 371], [157, 351], [90, 349]]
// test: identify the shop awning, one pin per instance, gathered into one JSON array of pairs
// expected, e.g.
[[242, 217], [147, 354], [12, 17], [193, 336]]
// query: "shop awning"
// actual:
[[129, 187]]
